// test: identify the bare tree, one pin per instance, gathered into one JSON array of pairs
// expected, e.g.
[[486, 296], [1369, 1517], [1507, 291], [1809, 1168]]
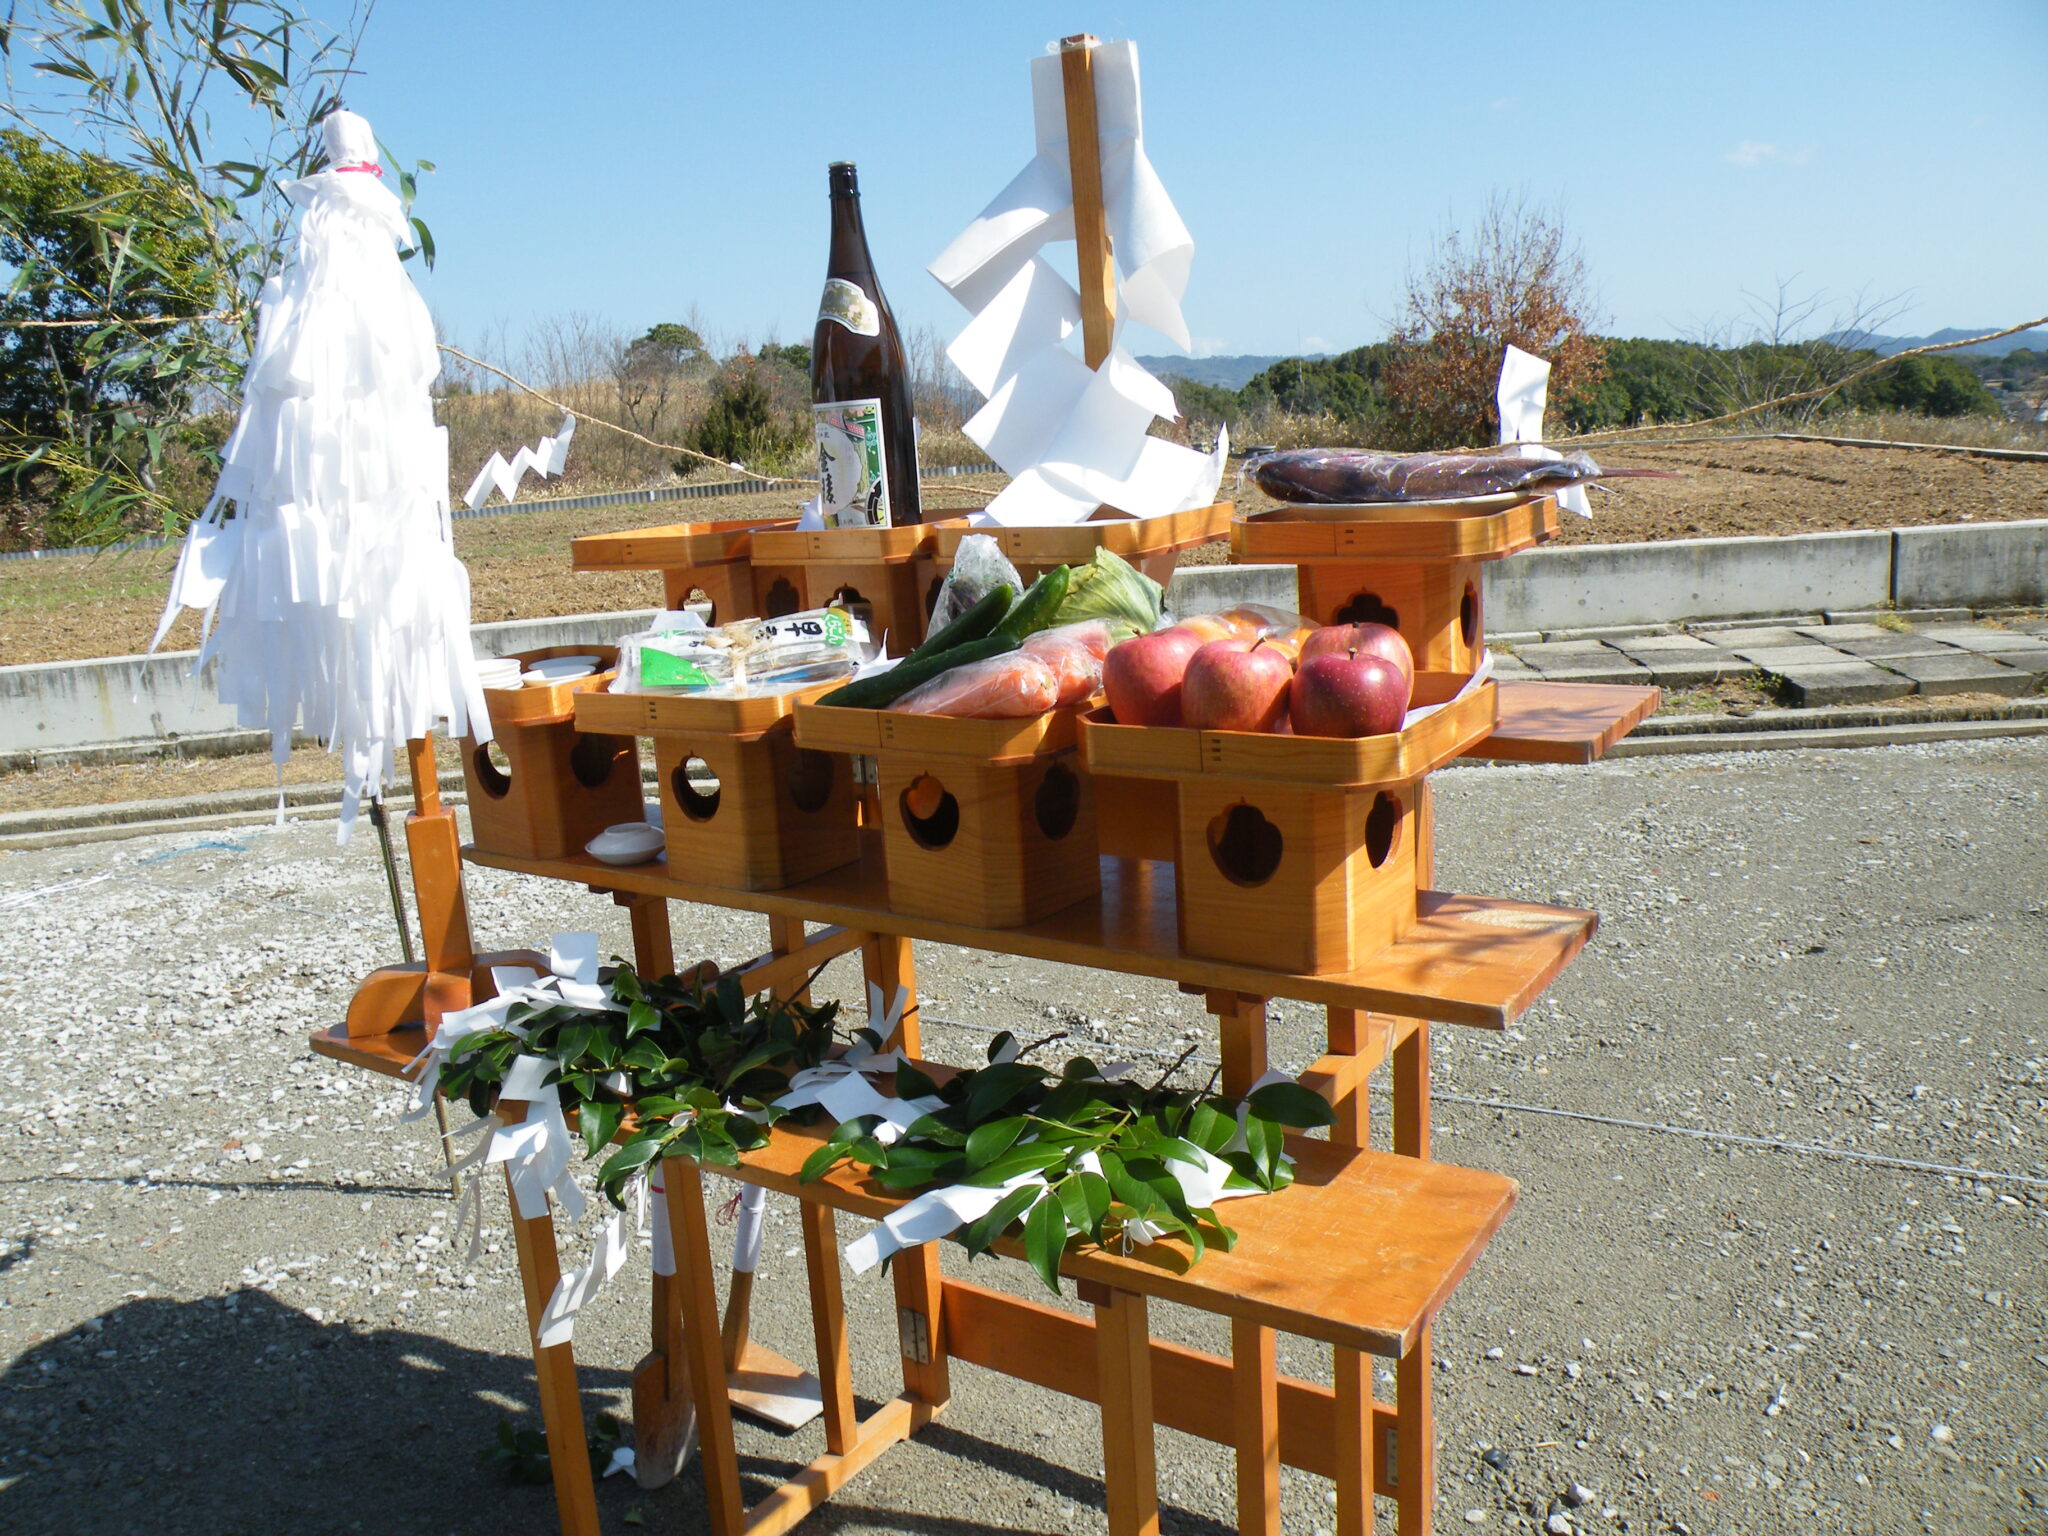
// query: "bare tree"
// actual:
[[1514, 279], [1784, 343]]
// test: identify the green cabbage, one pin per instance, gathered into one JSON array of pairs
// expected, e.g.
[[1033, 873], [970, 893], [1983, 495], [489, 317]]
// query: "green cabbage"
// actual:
[[1110, 588]]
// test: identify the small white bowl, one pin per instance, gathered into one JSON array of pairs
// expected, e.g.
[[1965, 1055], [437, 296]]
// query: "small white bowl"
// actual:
[[547, 679], [627, 842], [578, 664]]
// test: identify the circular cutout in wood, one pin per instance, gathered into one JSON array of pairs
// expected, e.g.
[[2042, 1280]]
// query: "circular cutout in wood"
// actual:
[[930, 813], [1245, 846], [781, 598], [1366, 608], [1382, 828], [697, 794], [493, 772], [1057, 802], [809, 780], [593, 758], [1468, 615]]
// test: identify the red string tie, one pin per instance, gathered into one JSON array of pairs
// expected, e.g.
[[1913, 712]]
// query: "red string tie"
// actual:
[[367, 165]]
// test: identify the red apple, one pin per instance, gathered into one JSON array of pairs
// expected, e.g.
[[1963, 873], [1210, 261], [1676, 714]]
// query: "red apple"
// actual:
[[1142, 676], [1366, 639], [1353, 694], [1236, 685]]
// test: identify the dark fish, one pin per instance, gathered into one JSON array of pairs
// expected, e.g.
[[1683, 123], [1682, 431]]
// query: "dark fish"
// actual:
[[1336, 476]]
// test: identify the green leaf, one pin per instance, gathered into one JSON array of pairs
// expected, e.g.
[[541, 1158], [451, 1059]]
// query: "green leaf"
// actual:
[[571, 1043], [641, 1016], [869, 1153], [992, 1088], [600, 1122], [913, 1084], [821, 1162], [1030, 1159], [985, 1229], [1291, 1105], [629, 1160], [1210, 1129], [986, 1143], [1045, 1239]]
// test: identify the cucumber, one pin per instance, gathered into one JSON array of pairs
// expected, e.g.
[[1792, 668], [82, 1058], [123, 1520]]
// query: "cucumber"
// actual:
[[886, 687], [975, 623], [1035, 609]]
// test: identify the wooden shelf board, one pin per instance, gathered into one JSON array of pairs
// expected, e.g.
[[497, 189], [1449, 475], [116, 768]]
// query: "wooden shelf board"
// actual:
[[1564, 722], [389, 1054], [1391, 1238], [1472, 960]]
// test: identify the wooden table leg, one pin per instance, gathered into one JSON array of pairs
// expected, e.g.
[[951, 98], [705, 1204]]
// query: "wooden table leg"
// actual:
[[1411, 1093], [828, 1323], [702, 1350], [1123, 1362], [1349, 1034], [1415, 1440], [1255, 1421], [554, 1373], [887, 962], [1354, 1448], [1241, 1037]]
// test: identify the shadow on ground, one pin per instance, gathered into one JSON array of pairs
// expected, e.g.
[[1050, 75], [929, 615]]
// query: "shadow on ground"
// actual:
[[242, 1417]]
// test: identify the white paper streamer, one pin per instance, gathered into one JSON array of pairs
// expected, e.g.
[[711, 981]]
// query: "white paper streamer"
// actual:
[[1072, 439], [1524, 388], [547, 458], [334, 599]]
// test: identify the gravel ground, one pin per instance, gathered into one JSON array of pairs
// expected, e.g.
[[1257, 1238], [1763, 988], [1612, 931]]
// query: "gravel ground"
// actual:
[[229, 1302]]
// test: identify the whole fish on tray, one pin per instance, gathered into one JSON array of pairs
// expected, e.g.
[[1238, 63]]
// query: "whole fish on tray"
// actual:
[[1344, 476]]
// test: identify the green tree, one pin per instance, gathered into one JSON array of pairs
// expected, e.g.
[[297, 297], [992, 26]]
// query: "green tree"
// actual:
[[749, 421], [189, 215]]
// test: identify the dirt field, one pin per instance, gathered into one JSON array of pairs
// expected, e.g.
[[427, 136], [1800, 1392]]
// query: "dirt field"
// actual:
[[65, 610]]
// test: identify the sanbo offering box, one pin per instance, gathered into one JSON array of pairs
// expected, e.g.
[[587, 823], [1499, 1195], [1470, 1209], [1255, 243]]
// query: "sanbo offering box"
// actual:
[[1295, 852], [541, 788]]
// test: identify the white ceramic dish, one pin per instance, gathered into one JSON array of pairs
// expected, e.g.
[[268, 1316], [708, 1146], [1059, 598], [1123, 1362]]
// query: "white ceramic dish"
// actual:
[[627, 842], [543, 679], [576, 664]]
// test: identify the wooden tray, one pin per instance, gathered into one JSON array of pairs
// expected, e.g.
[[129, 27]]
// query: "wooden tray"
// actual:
[[672, 546], [1438, 531], [848, 546], [1075, 543], [535, 703], [656, 714], [1325, 762], [827, 728], [1564, 722]]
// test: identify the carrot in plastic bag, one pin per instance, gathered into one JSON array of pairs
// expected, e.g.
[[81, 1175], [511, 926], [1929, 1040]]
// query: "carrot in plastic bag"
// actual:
[[1074, 652], [1007, 687]]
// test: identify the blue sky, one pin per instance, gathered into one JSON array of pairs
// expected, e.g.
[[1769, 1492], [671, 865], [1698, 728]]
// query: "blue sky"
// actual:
[[632, 160]]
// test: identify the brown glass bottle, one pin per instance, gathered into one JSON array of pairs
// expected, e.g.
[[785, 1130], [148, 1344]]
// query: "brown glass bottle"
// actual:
[[860, 384]]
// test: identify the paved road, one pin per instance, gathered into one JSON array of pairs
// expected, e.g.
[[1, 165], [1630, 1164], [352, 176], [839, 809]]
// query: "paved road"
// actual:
[[228, 1304]]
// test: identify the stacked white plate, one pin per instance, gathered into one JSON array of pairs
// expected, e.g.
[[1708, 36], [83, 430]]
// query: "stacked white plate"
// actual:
[[560, 669], [498, 672]]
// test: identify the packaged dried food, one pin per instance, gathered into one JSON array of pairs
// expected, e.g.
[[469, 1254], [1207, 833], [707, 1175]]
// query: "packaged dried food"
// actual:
[[1347, 476]]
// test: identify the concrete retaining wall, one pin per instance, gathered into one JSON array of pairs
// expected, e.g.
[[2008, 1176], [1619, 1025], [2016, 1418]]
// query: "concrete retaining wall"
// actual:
[[1987, 566], [1687, 579], [68, 709]]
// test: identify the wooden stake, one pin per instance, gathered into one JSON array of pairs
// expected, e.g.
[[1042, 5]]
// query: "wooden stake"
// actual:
[[1123, 1355], [1255, 1418], [1091, 229]]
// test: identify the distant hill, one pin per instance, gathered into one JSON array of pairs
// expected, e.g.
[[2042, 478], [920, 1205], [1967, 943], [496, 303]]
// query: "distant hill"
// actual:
[[1223, 372], [2034, 340]]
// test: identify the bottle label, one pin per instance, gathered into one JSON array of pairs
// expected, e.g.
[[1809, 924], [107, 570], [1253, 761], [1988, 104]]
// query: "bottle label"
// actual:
[[853, 473], [846, 303]]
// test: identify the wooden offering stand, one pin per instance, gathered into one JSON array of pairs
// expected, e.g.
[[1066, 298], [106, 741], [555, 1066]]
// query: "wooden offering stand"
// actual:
[[1360, 1253], [1419, 569]]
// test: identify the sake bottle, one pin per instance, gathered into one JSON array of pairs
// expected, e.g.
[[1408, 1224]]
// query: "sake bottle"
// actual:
[[860, 384]]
